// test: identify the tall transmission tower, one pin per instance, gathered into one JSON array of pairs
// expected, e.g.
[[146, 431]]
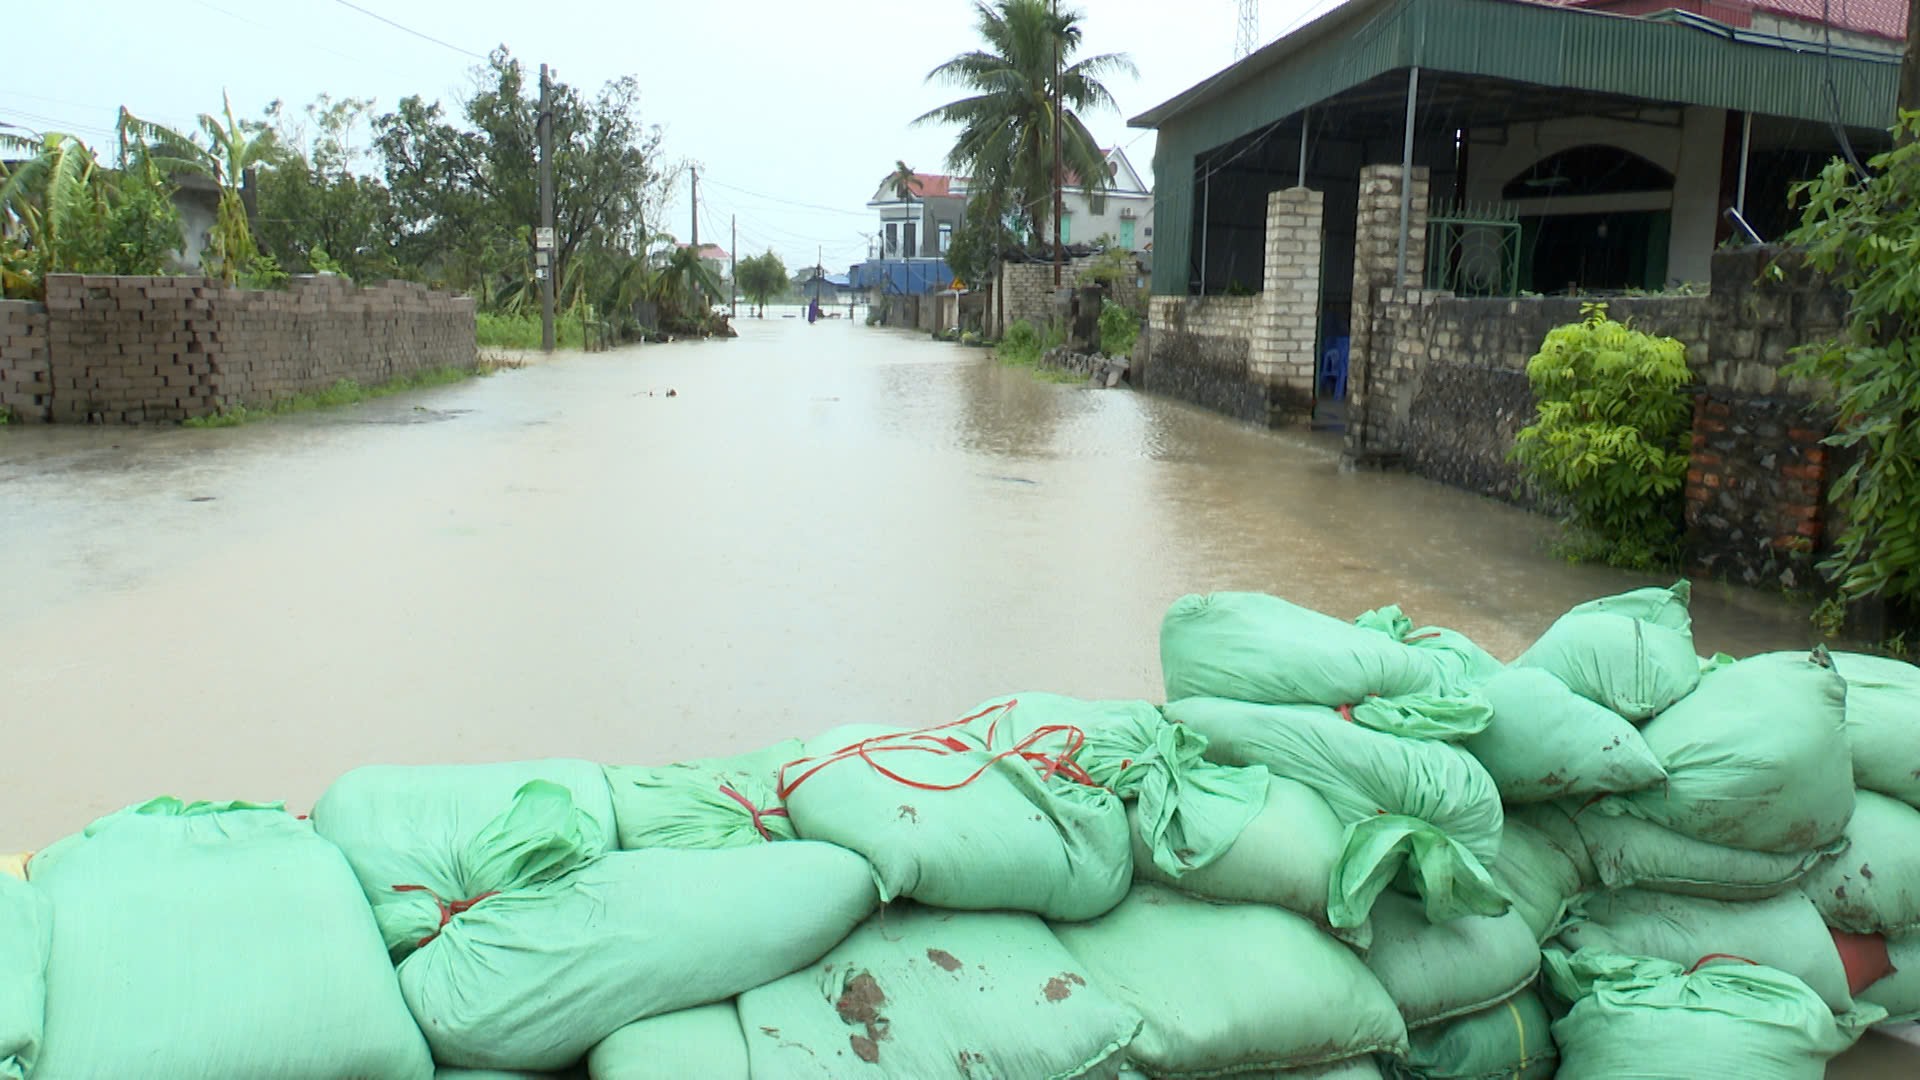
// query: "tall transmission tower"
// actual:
[[1248, 39]]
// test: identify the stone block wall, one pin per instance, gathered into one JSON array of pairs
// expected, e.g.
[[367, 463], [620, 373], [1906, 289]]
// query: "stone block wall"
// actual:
[[134, 349], [26, 383], [1200, 350], [1030, 294], [1376, 260]]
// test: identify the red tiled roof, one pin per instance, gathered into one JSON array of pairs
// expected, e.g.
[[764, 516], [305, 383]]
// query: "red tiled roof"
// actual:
[[926, 185], [708, 251], [1880, 18]]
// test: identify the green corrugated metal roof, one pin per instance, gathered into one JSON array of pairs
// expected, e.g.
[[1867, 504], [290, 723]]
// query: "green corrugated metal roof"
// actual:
[[1678, 62]]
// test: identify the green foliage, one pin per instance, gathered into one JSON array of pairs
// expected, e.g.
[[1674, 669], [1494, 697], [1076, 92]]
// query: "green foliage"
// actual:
[[1119, 329], [1110, 268], [226, 150], [1006, 121], [1611, 440], [1864, 232], [496, 331], [761, 278], [262, 272], [62, 212], [1023, 345], [976, 244], [344, 392]]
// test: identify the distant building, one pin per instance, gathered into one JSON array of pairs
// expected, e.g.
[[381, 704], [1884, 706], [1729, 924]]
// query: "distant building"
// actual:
[[714, 256], [1122, 209]]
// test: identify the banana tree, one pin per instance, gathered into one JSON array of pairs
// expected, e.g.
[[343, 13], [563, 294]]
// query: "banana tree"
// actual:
[[52, 208], [231, 148]]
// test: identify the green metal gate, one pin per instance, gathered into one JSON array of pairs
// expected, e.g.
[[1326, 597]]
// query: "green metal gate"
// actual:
[[1474, 251]]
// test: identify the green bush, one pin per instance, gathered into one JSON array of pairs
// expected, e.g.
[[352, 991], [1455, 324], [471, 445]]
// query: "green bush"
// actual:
[[1611, 440], [496, 331], [1862, 232], [1119, 329], [1021, 343]]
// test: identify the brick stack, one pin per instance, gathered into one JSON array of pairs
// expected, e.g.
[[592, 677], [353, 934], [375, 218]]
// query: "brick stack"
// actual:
[[135, 349], [26, 386]]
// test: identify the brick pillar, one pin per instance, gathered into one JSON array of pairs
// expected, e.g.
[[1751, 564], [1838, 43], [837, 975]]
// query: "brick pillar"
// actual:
[[1284, 333], [1375, 260]]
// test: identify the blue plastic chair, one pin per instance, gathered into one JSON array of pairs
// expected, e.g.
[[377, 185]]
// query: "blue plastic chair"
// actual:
[[1333, 366]]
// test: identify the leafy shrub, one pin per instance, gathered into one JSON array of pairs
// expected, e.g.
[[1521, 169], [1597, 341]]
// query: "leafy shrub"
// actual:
[[1862, 232], [1119, 329], [1021, 343], [1611, 439]]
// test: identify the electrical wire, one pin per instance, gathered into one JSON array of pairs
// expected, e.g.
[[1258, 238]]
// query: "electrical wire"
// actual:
[[409, 29], [787, 202]]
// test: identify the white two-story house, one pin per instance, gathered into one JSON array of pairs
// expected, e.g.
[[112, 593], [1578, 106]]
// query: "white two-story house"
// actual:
[[1122, 210]]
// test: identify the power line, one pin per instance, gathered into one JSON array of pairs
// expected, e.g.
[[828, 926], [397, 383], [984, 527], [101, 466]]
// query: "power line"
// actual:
[[408, 29], [790, 202]]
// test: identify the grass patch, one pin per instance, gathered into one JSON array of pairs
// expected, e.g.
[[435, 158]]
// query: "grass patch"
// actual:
[[344, 392], [1022, 346], [493, 331]]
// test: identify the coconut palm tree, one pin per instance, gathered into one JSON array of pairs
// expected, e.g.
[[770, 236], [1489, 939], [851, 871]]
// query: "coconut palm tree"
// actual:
[[903, 180], [1006, 124], [231, 150]]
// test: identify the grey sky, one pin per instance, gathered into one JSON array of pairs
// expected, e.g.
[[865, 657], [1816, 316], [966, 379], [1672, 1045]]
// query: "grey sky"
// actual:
[[809, 103]]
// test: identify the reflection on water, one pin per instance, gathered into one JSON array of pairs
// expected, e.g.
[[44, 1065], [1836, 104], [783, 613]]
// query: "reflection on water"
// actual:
[[826, 524]]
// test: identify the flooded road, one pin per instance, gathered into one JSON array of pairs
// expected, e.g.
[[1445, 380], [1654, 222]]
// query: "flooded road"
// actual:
[[825, 524]]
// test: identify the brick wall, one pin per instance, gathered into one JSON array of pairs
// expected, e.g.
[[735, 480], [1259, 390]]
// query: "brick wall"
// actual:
[[1030, 294], [1376, 257], [25, 384], [1200, 351], [133, 349]]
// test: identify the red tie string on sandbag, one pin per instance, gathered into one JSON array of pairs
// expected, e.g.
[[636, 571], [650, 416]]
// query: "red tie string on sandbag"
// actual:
[[778, 811], [447, 910], [927, 740], [1703, 961], [1420, 637]]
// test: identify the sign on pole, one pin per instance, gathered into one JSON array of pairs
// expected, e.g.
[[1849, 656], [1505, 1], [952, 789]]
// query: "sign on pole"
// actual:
[[543, 239]]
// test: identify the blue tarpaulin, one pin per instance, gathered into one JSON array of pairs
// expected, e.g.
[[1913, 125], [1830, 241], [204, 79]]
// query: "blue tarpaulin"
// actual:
[[909, 277]]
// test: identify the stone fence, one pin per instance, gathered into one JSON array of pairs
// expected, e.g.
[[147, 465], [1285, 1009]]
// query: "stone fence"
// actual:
[[133, 349]]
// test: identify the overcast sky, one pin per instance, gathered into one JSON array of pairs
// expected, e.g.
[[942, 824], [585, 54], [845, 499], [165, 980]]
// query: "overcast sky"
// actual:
[[804, 102]]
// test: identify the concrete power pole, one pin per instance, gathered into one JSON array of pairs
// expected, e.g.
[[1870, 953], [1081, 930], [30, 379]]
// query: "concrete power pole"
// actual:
[[693, 175], [1910, 62], [543, 254], [733, 270], [1059, 199]]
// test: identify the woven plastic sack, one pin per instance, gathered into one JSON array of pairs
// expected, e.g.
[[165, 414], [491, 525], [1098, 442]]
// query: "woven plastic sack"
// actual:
[[947, 822], [712, 803], [26, 937], [1461, 662], [1654, 1020], [1260, 648], [1898, 993], [703, 1042], [1873, 885], [533, 976], [1508, 1041], [1232, 987], [414, 834], [1540, 874], [1364, 774], [1185, 810], [454, 1072], [920, 992], [1286, 856], [1629, 852], [1632, 653], [1546, 741], [1783, 932], [1883, 724], [215, 940], [1756, 758], [1437, 971]]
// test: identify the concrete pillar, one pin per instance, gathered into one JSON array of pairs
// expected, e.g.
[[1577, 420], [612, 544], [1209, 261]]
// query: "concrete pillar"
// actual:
[[1375, 258], [1285, 331]]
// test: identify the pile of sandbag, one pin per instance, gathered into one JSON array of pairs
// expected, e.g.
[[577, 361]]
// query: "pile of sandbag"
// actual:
[[1341, 851]]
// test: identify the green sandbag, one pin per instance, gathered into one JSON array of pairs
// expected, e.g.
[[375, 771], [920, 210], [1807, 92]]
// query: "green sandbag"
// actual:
[[1364, 774], [712, 803], [1883, 724], [26, 936], [1187, 809], [1783, 932], [1873, 886], [1437, 971], [1286, 856], [1546, 741], [215, 941], [420, 827], [1508, 1041], [920, 992], [533, 978], [1632, 653], [1898, 993], [1461, 662], [1259, 648], [704, 1042], [1628, 852], [1653, 1020], [1756, 758], [1539, 874], [454, 1072], [956, 826], [1232, 987]]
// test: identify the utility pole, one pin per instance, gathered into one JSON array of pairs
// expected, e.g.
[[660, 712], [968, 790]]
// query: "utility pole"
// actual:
[[1059, 199], [1910, 62], [733, 270], [694, 175], [543, 245]]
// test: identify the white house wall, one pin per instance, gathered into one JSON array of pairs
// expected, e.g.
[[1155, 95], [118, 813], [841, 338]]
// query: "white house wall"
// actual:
[[1088, 226], [1689, 149]]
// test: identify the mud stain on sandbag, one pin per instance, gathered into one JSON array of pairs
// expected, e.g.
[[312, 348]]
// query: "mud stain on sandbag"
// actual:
[[865, 1049], [1060, 987], [909, 813], [859, 1005], [943, 958], [1866, 873]]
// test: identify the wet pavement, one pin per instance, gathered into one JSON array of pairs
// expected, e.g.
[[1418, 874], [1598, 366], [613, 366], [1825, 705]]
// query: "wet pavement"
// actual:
[[823, 525]]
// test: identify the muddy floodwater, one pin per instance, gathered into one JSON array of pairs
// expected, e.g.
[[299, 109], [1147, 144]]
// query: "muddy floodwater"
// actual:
[[823, 524]]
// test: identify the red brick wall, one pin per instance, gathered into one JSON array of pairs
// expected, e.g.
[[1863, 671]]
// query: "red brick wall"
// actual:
[[134, 349]]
